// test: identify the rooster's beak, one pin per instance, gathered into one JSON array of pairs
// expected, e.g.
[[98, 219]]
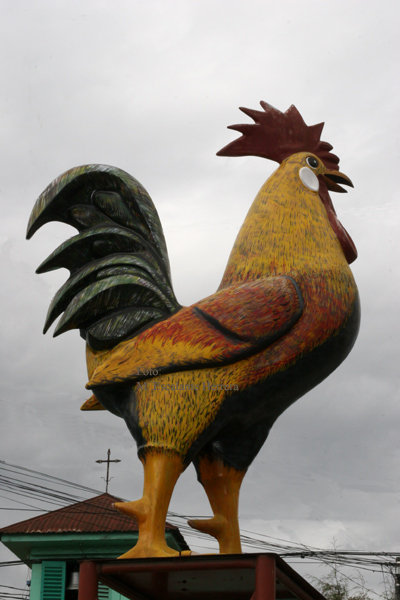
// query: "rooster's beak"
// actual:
[[333, 178]]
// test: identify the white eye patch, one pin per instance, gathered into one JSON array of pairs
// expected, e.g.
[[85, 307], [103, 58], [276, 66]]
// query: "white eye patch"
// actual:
[[309, 179]]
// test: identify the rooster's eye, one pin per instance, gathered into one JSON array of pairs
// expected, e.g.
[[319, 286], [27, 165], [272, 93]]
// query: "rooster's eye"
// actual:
[[312, 162]]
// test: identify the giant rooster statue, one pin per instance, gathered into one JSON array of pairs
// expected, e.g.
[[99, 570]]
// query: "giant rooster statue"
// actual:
[[205, 383]]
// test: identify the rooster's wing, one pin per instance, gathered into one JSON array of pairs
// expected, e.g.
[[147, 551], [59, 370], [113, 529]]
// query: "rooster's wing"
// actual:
[[228, 326]]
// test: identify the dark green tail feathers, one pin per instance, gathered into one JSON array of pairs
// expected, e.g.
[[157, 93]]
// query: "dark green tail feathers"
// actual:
[[120, 280]]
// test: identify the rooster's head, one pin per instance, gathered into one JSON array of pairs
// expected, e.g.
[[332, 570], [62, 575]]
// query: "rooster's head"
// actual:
[[277, 136]]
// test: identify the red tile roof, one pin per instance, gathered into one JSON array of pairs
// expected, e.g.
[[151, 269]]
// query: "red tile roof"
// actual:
[[96, 515]]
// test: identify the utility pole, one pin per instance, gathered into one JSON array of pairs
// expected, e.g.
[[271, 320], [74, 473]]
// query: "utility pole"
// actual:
[[108, 461]]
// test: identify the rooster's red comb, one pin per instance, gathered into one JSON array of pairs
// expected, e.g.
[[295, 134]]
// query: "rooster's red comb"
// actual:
[[276, 135]]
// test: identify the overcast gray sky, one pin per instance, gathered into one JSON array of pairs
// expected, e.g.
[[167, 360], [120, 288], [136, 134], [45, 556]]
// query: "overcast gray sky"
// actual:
[[150, 87]]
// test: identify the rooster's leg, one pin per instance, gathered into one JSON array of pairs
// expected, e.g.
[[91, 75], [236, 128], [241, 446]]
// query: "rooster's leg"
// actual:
[[161, 472], [222, 485]]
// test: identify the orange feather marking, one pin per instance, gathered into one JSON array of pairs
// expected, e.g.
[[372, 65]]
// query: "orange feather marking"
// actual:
[[221, 329]]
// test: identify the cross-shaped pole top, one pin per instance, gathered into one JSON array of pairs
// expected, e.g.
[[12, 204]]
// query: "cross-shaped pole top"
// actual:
[[108, 461]]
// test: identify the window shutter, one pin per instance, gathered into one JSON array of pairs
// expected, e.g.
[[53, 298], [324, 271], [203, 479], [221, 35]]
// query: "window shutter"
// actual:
[[53, 580], [103, 592]]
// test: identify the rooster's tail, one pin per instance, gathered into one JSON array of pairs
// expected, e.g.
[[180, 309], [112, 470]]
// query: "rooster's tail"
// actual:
[[120, 279]]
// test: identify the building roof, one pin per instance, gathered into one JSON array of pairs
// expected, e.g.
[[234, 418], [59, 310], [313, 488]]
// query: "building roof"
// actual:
[[96, 515]]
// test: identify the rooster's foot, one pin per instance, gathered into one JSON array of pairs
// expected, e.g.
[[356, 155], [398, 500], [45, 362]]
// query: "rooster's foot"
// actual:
[[218, 527], [135, 510], [147, 551], [214, 526], [147, 546], [161, 471]]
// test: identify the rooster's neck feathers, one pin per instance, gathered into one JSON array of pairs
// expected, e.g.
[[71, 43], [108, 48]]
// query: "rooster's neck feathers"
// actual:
[[293, 219]]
